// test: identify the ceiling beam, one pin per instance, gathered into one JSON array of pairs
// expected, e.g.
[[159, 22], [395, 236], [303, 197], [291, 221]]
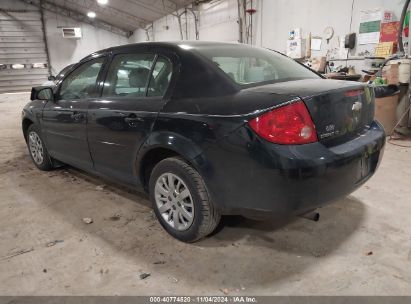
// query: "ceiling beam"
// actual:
[[149, 7], [110, 11], [167, 7], [63, 11]]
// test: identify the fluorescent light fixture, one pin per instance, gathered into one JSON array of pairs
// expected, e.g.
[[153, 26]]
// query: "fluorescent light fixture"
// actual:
[[102, 2], [17, 66], [91, 14], [39, 65]]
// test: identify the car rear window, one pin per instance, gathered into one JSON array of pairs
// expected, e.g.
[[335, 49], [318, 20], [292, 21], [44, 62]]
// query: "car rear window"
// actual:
[[248, 65]]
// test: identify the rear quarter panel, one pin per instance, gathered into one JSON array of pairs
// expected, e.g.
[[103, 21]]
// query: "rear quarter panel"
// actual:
[[191, 125]]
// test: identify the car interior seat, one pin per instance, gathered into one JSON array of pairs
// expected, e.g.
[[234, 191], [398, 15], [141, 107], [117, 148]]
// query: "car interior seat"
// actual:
[[138, 80]]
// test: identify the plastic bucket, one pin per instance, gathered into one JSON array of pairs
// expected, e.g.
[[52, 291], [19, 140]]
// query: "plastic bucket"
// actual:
[[404, 69]]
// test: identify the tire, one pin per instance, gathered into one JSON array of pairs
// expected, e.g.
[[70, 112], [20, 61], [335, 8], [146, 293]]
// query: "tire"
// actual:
[[37, 149], [177, 174]]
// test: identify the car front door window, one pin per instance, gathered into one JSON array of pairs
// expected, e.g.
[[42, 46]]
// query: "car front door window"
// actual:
[[81, 83], [65, 121]]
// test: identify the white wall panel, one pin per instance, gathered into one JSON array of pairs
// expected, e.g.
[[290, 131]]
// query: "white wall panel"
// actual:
[[217, 21], [274, 19], [65, 51]]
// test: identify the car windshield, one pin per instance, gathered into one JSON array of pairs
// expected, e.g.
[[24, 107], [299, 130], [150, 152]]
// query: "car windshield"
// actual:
[[248, 65]]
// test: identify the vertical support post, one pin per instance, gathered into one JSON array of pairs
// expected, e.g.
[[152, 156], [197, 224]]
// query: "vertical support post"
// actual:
[[185, 12], [43, 28], [178, 16], [261, 22], [251, 22], [240, 23]]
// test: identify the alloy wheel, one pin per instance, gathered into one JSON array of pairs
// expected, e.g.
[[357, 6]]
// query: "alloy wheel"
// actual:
[[36, 148], [174, 201]]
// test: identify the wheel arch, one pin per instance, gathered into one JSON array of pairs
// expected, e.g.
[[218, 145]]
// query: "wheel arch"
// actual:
[[26, 123], [162, 145]]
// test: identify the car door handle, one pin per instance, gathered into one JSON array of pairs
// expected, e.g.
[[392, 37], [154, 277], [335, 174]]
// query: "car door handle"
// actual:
[[77, 116], [132, 119]]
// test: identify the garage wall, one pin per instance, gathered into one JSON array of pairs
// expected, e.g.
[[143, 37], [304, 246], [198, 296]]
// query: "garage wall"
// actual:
[[65, 51], [62, 51], [23, 57], [276, 17], [218, 21], [314, 17]]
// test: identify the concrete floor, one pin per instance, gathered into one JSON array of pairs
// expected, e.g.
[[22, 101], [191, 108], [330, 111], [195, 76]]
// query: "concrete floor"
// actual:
[[360, 246]]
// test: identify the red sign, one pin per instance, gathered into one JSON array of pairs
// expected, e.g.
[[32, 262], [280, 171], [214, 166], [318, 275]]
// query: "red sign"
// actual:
[[389, 31]]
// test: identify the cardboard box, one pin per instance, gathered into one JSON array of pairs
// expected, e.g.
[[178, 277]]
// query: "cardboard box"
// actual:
[[391, 73], [318, 64], [385, 112]]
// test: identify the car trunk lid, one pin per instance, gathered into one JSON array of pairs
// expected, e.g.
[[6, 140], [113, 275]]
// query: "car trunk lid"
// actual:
[[339, 109]]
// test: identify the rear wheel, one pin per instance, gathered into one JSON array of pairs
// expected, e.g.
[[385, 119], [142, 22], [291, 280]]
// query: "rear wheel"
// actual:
[[180, 200], [38, 151]]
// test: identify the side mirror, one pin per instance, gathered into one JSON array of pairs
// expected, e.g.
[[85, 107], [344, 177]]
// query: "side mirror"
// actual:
[[42, 93], [51, 78]]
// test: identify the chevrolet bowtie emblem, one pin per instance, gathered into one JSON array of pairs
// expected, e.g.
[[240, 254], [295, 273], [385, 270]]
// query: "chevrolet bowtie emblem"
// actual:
[[357, 106]]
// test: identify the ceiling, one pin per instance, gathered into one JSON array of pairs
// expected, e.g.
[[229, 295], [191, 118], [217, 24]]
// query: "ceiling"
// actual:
[[127, 15]]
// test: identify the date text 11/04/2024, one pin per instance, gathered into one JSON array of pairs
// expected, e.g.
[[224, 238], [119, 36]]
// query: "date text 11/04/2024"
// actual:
[[203, 299]]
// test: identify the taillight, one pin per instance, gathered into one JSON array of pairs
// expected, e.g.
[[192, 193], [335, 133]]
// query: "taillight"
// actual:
[[287, 125], [353, 93]]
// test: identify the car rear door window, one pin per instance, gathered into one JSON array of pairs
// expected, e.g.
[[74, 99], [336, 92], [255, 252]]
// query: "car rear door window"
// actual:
[[128, 75], [81, 83], [160, 78]]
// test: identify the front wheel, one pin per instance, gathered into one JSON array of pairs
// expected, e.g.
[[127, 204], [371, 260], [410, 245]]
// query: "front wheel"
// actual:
[[38, 151], [181, 201]]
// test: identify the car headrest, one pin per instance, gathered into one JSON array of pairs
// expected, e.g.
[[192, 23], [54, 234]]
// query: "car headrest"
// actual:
[[138, 77]]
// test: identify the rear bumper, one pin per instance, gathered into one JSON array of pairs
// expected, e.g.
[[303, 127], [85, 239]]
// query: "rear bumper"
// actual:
[[248, 175]]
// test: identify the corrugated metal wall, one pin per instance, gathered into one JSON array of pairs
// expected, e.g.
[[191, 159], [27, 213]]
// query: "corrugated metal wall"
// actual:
[[21, 42]]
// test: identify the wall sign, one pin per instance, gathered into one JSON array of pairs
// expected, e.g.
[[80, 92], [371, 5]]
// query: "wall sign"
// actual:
[[370, 22]]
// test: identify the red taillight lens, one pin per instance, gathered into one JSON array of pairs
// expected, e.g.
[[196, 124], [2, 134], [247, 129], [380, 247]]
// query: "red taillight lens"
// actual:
[[353, 93], [287, 125]]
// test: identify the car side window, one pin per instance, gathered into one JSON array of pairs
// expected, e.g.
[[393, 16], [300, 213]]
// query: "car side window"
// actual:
[[81, 83], [128, 75], [160, 78]]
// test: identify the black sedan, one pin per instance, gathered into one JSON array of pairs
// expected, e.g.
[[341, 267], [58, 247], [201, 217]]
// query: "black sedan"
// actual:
[[208, 129]]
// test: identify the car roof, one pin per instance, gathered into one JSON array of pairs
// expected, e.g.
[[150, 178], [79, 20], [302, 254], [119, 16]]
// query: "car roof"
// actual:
[[170, 45], [174, 44], [190, 83]]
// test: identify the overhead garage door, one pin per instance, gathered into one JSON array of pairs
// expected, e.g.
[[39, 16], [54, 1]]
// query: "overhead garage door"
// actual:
[[23, 59]]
